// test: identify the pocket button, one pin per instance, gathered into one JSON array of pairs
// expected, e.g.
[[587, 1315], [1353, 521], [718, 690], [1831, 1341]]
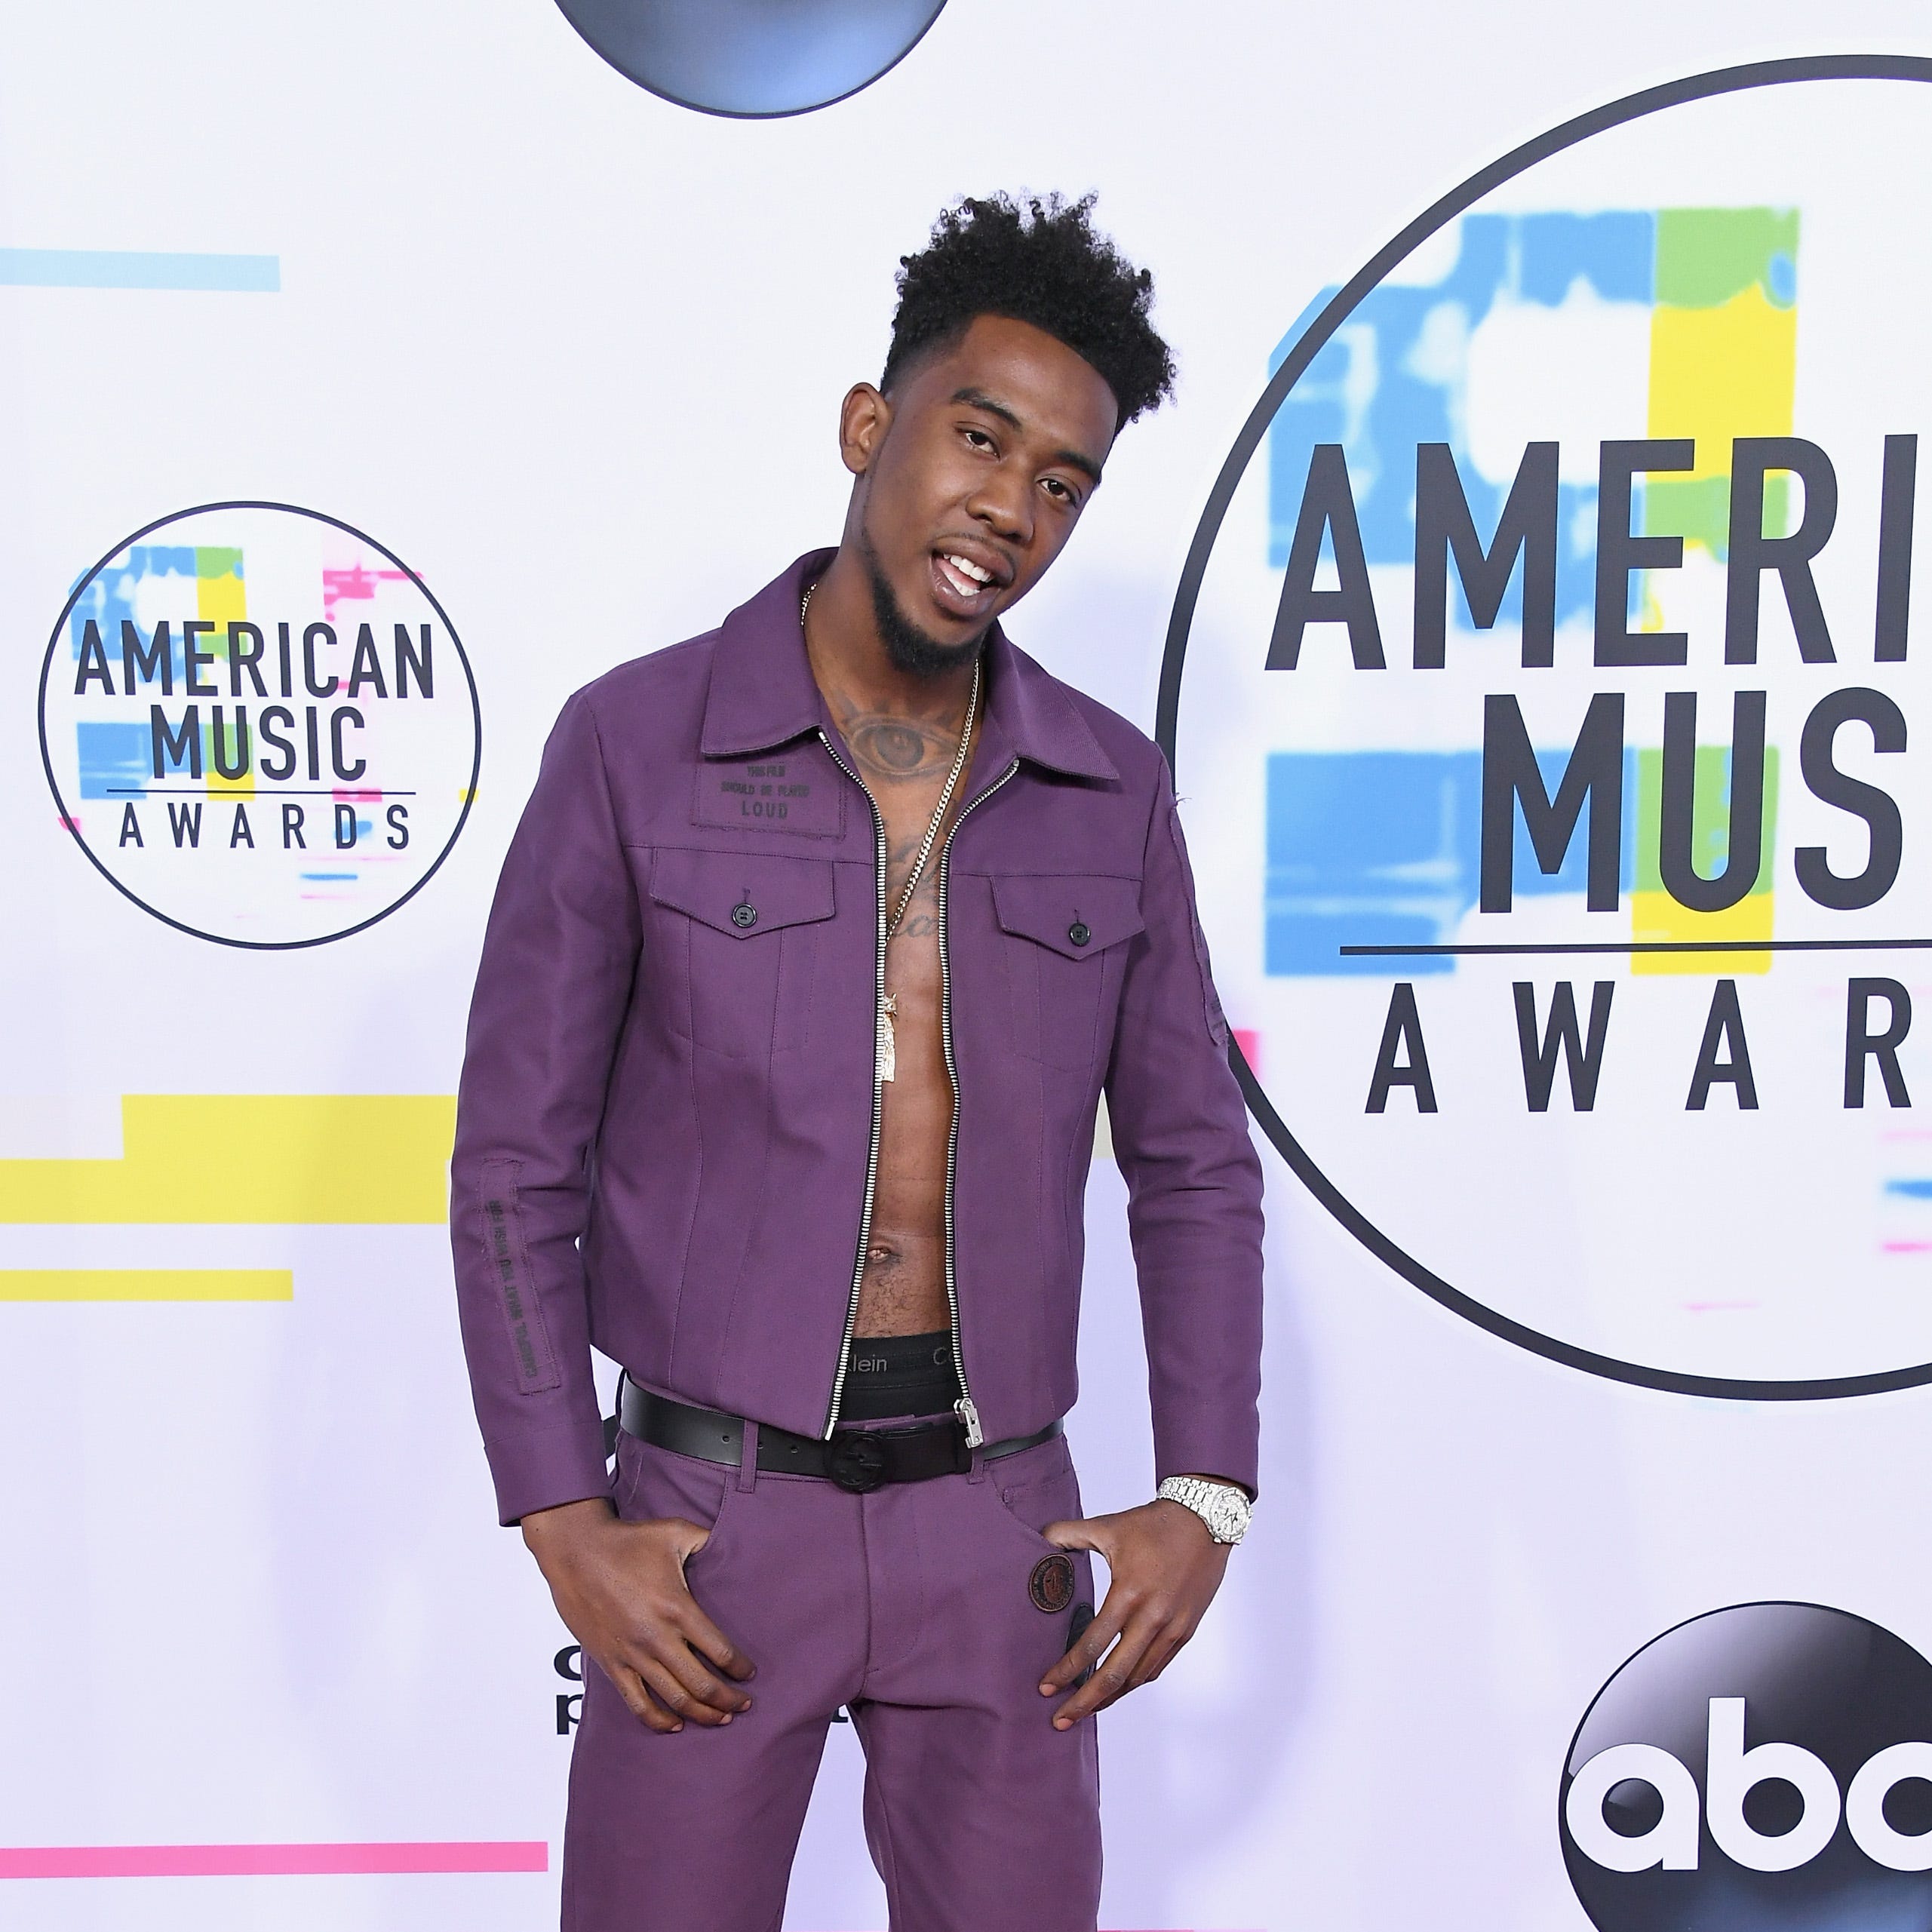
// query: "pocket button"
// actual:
[[746, 914], [1078, 933]]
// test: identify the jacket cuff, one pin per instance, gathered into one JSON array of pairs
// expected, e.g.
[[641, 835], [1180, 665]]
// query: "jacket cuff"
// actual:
[[542, 1469], [1230, 1451]]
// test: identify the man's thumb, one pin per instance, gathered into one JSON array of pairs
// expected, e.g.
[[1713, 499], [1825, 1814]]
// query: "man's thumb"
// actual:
[[1076, 1533]]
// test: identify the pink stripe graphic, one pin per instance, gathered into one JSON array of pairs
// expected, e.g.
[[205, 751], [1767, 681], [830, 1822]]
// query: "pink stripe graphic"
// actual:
[[279, 1861]]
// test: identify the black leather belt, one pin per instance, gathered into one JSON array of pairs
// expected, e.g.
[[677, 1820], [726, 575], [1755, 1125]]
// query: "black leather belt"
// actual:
[[857, 1460]]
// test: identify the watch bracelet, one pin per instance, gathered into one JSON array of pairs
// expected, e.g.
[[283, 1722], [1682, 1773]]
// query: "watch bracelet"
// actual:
[[1187, 1491]]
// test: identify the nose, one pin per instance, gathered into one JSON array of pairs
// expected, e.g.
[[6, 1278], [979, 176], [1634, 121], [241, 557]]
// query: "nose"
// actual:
[[1002, 502]]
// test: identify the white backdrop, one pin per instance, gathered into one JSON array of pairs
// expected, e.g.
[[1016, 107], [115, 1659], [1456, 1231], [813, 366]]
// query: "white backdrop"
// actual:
[[574, 355]]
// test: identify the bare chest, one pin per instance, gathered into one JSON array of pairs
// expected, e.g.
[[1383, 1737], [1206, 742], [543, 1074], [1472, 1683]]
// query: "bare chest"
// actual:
[[913, 828]]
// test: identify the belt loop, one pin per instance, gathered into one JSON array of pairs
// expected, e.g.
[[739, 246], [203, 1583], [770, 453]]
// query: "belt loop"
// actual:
[[747, 1457], [613, 1423]]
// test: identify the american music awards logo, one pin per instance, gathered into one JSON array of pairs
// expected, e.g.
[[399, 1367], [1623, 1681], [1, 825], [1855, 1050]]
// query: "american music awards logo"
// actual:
[[1542, 687], [259, 725]]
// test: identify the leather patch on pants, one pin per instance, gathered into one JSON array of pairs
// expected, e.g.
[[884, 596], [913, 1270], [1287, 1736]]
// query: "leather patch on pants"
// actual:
[[1050, 1586]]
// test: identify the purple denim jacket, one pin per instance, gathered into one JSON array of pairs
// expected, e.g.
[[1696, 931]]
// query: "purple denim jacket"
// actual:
[[665, 1133]]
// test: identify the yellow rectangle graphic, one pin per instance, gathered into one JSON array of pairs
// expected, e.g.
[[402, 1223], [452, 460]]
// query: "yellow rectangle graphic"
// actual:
[[255, 1158], [1716, 373], [147, 1285], [1657, 916]]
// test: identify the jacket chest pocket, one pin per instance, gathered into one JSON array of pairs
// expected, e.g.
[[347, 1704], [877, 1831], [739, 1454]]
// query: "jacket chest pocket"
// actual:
[[1066, 950], [737, 936]]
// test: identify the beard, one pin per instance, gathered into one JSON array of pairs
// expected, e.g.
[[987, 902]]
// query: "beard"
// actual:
[[914, 652]]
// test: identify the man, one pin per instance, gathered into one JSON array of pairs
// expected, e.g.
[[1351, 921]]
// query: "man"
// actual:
[[819, 940]]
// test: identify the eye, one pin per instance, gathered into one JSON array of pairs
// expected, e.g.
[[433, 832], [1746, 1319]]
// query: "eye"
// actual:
[[1056, 488], [978, 438]]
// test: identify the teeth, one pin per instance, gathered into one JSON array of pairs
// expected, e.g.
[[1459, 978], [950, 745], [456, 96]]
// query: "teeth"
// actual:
[[970, 569]]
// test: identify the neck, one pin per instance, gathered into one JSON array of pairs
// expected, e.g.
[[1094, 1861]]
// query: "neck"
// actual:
[[850, 662]]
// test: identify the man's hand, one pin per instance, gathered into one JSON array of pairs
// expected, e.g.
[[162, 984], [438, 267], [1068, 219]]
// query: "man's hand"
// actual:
[[620, 1587], [1163, 1568]]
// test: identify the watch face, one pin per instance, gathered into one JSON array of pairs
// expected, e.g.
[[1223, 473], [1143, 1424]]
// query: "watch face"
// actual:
[[1222, 1507], [1230, 1514]]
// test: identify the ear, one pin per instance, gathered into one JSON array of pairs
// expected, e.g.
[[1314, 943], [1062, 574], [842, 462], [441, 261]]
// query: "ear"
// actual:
[[864, 418]]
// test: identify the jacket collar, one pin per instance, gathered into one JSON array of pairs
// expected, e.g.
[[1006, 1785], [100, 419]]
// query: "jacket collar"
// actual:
[[762, 693]]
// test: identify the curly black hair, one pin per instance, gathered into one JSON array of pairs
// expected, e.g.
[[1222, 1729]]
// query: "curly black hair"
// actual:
[[1041, 263]]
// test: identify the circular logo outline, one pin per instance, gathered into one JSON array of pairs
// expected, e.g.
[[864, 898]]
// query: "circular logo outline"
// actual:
[[67, 818], [1567, 1772], [1444, 210]]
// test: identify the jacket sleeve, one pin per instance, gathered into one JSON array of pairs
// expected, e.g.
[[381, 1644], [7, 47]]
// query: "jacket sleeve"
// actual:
[[1179, 1131], [551, 991]]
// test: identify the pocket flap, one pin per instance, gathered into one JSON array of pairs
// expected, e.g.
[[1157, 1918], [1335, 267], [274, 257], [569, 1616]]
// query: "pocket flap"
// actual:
[[1076, 914], [742, 894]]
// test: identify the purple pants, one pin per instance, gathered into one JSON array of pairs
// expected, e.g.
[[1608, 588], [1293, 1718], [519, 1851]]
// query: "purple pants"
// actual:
[[930, 1610]]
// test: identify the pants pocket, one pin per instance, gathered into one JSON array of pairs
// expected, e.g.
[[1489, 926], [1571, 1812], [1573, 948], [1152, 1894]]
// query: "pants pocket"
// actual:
[[1032, 1493], [654, 1483]]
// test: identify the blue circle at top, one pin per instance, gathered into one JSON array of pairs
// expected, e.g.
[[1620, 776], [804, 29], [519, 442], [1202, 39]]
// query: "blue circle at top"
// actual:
[[753, 58]]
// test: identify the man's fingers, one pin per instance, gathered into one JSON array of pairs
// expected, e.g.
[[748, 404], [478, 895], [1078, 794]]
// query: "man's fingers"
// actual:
[[697, 1629], [1159, 1654], [1084, 1654], [688, 1691], [1112, 1676], [1119, 1671], [640, 1702], [705, 1637], [1079, 1533], [710, 1697]]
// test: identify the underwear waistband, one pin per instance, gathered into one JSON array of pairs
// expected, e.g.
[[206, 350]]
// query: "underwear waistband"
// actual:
[[900, 1375]]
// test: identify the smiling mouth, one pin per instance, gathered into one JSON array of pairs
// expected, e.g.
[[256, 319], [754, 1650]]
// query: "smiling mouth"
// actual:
[[963, 586]]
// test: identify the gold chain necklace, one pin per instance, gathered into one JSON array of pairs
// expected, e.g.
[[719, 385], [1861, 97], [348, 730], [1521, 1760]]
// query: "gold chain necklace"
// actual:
[[886, 1044]]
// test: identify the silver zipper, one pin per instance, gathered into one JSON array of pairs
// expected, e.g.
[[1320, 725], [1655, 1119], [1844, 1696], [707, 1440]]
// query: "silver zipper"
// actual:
[[963, 1408], [878, 1087]]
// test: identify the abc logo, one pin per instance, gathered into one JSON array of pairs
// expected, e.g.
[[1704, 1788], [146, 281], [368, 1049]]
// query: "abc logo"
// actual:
[[1764, 1766]]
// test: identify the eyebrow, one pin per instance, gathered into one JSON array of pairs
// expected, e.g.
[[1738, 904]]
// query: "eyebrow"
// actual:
[[978, 399]]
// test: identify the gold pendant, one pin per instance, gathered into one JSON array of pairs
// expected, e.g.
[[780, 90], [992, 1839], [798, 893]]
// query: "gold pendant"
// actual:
[[886, 1056]]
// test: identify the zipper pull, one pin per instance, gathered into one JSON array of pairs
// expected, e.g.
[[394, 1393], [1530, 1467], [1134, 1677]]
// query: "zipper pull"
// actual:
[[967, 1414]]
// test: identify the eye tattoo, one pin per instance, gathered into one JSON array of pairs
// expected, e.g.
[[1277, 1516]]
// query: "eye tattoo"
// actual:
[[897, 749]]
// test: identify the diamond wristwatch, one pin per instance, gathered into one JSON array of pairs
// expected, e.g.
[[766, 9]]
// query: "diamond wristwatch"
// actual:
[[1221, 1506]]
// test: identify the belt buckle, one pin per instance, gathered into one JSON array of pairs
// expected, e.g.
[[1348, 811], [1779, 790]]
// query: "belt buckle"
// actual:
[[855, 1460]]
